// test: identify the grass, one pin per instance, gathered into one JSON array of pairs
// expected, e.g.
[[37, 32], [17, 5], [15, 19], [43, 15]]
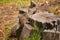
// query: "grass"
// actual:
[[35, 35], [8, 29], [21, 2]]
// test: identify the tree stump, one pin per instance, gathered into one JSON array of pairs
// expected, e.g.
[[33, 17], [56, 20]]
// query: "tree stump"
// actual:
[[26, 31], [51, 35]]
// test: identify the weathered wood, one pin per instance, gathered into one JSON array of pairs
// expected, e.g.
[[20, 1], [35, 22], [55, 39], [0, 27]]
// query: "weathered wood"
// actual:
[[51, 35], [43, 17], [51, 20], [26, 31], [14, 28]]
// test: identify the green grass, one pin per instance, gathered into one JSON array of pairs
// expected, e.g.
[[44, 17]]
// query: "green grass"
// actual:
[[21, 2], [35, 35], [8, 29]]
